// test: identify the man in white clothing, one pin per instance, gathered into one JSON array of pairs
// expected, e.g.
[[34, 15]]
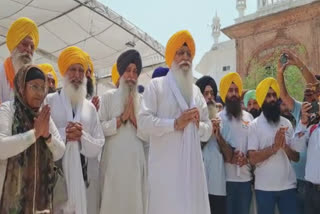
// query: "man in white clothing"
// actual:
[[123, 165], [175, 116], [275, 179], [77, 121], [22, 41]]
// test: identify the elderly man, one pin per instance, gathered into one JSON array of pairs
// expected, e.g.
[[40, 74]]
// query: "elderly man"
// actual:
[[29, 145], [250, 102], [51, 75], [22, 41], [212, 156], [77, 121], [123, 165], [275, 180], [175, 116], [233, 142]]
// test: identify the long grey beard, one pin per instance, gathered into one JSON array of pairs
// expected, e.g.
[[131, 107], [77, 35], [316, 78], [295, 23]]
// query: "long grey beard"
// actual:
[[75, 95], [19, 59], [184, 80], [125, 91]]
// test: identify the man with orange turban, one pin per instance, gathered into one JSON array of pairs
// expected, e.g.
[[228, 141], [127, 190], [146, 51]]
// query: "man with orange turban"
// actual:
[[233, 140], [51, 75], [271, 151], [22, 40], [77, 121], [175, 116]]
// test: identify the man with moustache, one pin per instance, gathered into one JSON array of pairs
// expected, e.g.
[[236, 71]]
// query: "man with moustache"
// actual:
[[270, 150], [77, 121], [174, 115], [250, 103], [233, 140], [22, 41], [123, 164], [51, 75], [212, 156]]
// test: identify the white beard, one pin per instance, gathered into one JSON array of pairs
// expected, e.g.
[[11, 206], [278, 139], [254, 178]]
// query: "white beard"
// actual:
[[76, 95], [20, 59], [125, 91], [184, 80]]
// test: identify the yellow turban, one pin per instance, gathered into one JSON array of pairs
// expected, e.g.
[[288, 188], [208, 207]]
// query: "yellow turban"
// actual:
[[115, 74], [226, 82], [48, 69], [175, 42], [263, 88], [19, 30], [69, 56]]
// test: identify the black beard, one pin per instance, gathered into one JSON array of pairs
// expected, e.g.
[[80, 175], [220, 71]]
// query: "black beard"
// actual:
[[90, 87], [233, 108], [271, 111], [51, 90], [255, 112]]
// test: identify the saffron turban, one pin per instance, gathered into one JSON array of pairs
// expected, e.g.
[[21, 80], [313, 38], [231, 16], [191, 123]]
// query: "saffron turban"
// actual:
[[90, 64], [226, 82], [20, 29], [207, 80], [160, 72], [48, 69], [263, 88], [250, 95], [176, 42], [115, 74], [128, 57], [70, 56]]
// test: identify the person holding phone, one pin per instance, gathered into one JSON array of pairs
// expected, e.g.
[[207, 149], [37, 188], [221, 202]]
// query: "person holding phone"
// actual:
[[271, 152]]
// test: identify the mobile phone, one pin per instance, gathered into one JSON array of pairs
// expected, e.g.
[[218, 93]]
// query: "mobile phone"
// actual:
[[283, 58], [314, 107]]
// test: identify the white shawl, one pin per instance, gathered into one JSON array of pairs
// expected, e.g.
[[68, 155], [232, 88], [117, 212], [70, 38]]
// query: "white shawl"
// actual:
[[192, 174], [71, 163]]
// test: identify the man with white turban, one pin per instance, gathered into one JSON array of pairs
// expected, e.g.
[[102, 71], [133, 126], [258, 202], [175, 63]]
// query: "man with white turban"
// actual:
[[77, 121], [22, 41], [175, 116], [270, 150]]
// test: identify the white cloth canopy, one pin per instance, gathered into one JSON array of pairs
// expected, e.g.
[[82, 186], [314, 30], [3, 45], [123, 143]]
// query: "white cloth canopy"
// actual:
[[92, 26]]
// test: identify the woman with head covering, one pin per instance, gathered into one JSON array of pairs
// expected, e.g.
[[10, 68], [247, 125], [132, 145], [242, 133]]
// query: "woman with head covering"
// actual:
[[29, 145]]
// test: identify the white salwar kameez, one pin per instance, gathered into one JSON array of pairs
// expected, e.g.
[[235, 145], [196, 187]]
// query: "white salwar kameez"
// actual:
[[123, 165], [90, 146], [13, 145], [6, 92], [177, 183]]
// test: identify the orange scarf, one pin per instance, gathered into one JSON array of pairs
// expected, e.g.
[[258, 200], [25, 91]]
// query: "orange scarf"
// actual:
[[8, 67]]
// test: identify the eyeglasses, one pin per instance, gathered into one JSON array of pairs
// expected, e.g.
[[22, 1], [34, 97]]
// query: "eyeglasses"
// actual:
[[269, 95], [183, 52], [38, 89]]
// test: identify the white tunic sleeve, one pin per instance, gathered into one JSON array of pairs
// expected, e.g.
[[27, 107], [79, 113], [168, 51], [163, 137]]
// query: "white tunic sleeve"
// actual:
[[205, 126], [147, 118], [12, 145], [92, 140], [56, 146], [109, 125]]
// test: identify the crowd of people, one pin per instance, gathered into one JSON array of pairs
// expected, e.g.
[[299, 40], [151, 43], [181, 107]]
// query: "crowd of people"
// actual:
[[174, 147]]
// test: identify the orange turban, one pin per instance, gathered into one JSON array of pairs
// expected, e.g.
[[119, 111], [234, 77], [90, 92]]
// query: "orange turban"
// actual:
[[20, 29], [115, 74], [176, 42], [48, 69], [263, 88], [70, 56], [226, 82], [90, 63]]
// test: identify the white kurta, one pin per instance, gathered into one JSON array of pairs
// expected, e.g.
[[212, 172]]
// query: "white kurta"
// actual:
[[123, 165], [168, 189], [14, 145], [92, 139], [6, 92]]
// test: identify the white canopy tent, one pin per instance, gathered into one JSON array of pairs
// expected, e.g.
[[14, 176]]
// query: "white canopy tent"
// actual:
[[88, 24]]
